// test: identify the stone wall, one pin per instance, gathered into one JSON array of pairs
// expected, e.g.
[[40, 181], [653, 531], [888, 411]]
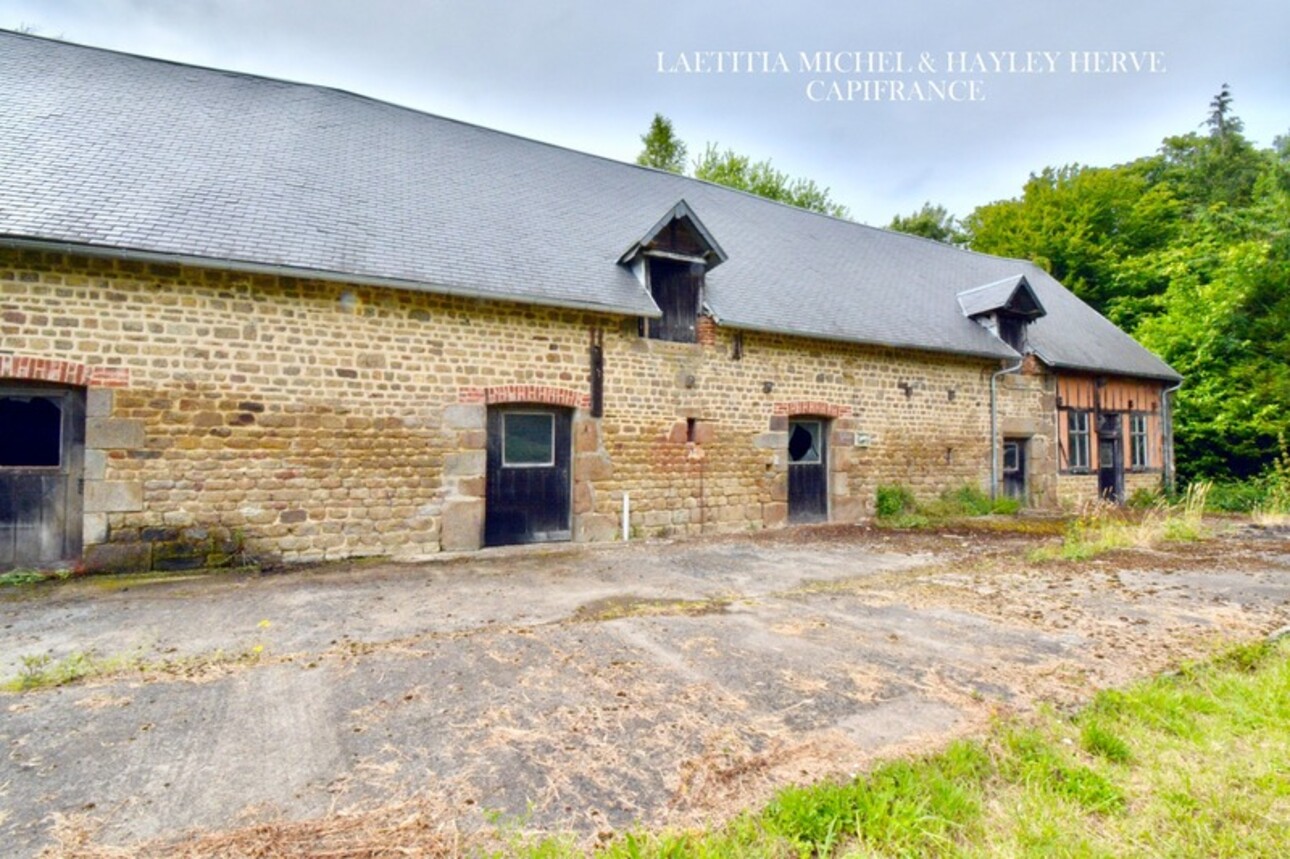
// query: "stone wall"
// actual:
[[304, 420]]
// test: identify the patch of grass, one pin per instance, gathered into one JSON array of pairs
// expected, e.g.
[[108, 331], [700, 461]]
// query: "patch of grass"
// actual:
[[15, 578], [1096, 739], [1188, 764], [896, 507], [1105, 527], [612, 608], [42, 671]]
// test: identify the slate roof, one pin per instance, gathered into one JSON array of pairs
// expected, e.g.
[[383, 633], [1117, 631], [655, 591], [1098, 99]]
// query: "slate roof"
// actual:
[[139, 156]]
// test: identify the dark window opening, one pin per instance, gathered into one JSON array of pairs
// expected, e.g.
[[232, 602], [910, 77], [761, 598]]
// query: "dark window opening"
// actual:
[[1012, 330], [691, 429], [676, 287], [803, 443], [1077, 433], [1138, 441], [1011, 457], [31, 432]]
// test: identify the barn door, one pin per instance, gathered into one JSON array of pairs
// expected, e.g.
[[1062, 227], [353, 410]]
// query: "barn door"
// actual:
[[528, 492], [1110, 458], [808, 471], [42, 444]]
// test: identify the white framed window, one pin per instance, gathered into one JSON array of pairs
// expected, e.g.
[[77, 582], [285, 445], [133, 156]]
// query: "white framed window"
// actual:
[[528, 439], [1138, 441], [1077, 439]]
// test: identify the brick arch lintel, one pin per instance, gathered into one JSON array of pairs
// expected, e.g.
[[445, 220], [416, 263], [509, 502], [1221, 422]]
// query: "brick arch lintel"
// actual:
[[816, 408], [58, 371], [547, 395]]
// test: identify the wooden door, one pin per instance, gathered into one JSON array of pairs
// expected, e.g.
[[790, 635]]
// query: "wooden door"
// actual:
[[528, 481], [42, 447], [808, 471], [1110, 458]]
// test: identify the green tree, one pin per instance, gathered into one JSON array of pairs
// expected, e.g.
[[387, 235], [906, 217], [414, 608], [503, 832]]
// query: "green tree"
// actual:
[[1189, 250], [761, 178], [662, 147], [930, 222]]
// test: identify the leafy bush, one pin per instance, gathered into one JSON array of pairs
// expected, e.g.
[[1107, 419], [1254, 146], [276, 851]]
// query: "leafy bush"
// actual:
[[893, 500]]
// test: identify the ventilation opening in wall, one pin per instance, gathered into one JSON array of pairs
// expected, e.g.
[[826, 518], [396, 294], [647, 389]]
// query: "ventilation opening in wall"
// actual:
[[691, 430], [30, 432]]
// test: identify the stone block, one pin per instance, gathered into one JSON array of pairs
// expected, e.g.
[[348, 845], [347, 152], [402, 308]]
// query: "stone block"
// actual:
[[779, 487], [774, 514], [94, 528], [114, 433], [705, 432], [179, 556], [472, 487], [582, 497], [592, 466], [95, 465], [771, 440], [848, 510], [118, 557], [476, 439], [113, 496], [463, 525], [1019, 426], [465, 416], [595, 528], [99, 402], [779, 423], [586, 436], [467, 464]]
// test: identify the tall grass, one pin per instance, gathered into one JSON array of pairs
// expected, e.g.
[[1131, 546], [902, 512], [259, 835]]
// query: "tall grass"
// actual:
[[1103, 527]]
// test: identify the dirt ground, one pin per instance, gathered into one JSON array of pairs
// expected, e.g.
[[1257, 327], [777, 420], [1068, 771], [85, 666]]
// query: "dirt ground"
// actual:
[[576, 689]]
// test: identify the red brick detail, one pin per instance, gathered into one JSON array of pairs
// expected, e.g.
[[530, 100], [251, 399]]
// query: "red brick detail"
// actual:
[[544, 394], [706, 332], [62, 372], [811, 407]]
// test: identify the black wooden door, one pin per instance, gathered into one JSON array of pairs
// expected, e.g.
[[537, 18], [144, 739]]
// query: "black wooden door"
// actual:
[[42, 443], [1110, 458], [808, 471], [529, 486], [1014, 468]]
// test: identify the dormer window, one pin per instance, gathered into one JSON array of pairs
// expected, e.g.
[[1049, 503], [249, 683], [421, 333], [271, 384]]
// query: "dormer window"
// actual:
[[1012, 330], [672, 260], [677, 289], [1005, 308]]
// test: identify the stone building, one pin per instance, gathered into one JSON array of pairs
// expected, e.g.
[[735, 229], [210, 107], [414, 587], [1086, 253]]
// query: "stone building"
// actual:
[[244, 315]]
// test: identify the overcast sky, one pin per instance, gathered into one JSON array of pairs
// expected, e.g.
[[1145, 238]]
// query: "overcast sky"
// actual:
[[587, 75]]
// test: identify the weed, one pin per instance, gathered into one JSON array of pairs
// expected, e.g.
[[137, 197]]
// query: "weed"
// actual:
[[31, 577], [893, 500], [1096, 739]]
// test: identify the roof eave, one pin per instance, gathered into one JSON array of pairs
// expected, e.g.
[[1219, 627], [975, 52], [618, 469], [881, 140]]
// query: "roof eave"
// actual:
[[356, 279]]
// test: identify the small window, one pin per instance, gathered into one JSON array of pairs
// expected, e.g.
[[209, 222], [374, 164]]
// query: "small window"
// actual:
[[1138, 441], [1077, 434], [31, 432], [528, 439], [804, 442], [1011, 460]]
